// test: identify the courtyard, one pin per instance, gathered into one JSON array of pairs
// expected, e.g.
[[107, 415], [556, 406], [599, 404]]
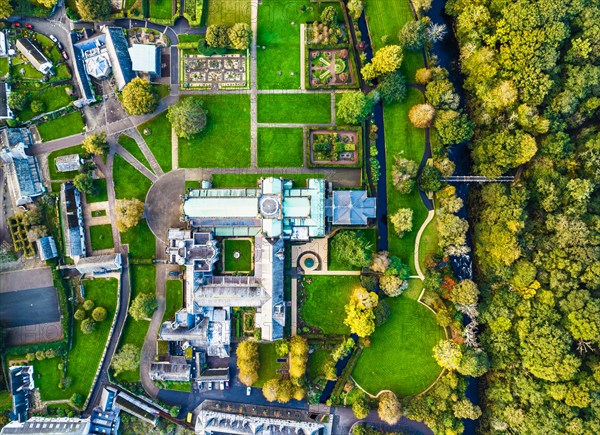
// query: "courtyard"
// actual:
[[238, 256]]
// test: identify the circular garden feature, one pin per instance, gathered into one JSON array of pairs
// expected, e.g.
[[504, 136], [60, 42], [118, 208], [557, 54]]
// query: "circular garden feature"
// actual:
[[330, 68]]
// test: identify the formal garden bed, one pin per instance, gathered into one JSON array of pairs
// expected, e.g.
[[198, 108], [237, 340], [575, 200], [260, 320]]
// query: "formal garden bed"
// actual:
[[215, 72], [335, 147], [331, 68], [238, 256]]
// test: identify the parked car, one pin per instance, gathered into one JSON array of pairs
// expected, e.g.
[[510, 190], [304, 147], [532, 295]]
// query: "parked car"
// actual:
[[221, 385], [209, 387], [53, 38], [59, 45], [248, 391], [173, 273], [28, 26], [15, 24], [65, 55], [227, 385]]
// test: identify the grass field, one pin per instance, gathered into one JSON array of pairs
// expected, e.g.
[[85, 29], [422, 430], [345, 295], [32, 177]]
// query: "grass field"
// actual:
[[53, 97], [251, 180], [66, 125], [54, 174], [87, 349], [429, 243], [386, 18], [161, 9], [3, 66], [268, 363], [400, 356], [225, 142], [131, 145], [280, 147], [326, 297], [316, 361], [226, 11], [141, 241], [401, 138], [335, 263], [174, 298], [143, 280], [101, 237], [242, 264], [129, 183], [100, 193], [159, 139], [294, 108]]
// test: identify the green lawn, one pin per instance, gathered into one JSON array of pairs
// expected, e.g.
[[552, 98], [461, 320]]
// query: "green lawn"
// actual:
[[294, 108], [226, 11], [161, 9], [225, 142], [326, 297], [280, 147], [3, 66], [101, 237], [141, 241], [131, 145], [24, 70], [400, 356], [87, 350], [143, 280], [244, 248], [429, 243], [335, 263], [159, 139], [54, 174], [268, 363], [129, 183], [53, 97], [401, 138], [174, 298], [251, 180], [386, 18], [66, 125], [100, 193], [316, 361]]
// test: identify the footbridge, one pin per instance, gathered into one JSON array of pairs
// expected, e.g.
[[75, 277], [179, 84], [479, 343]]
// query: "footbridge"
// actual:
[[478, 179]]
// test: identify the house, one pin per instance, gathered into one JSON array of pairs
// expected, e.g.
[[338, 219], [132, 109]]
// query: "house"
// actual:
[[23, 173], [34, 55], [68, 163], [48, 426], [21, 387], [73, 218], [5, 111], [174, 369], [99, 264], [146, 58], [46, 247]]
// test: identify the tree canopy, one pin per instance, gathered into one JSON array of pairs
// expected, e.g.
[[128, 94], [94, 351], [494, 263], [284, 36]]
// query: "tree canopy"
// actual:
[[139, 97], [188, 117]]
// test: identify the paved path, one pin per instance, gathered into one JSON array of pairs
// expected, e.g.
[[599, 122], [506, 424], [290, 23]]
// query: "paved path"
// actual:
[[174, 151], [430, 216], [253, 86], [134, 162], [141, 143]]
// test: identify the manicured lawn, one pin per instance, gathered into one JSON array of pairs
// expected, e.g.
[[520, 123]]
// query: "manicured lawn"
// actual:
[[401, 138], [225, 142], [251, 180], [316, 361], [192, 184], [226, 11], [53, 97], [429, 243], [101, 236], [54, 174], [141, 241], [387, 18], [294, 108], [280, 147], [174, 298], [87, 349], [335, 263], [161, 9], [326, 297], [159, 139], [24, 70], [268, 363], [400, 357], [100, 194], [244, 248], [129, 183], [3, 66], [143, 280], [66, 125], [131, 145]]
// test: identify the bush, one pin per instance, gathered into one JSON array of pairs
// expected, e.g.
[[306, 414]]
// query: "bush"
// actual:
[[80, 314], [88, 326], [88, 304], [37, 106], [99, 314]]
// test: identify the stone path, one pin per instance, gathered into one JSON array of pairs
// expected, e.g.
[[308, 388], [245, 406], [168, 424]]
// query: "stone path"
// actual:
[[302, 56], [333, 108], [141, 143], [174, 150], [430, 216], [253, 86], [134, 162]]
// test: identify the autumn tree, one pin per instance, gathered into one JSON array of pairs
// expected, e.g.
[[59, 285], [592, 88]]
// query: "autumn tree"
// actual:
[[402, 221], [359, 312], [188, 117], [239, 35], [93, 10], [84, 182], [87, 326], [6, 9], [452, 127], [126, 359], [217, 35], [329, 15], [355, 8], [298, 356], [430, 179], [404, 172], [139, 97], [128, 212], [99, 314], [353, 107], [80, 314], [389, 408], [386, 60], [360, 408], [96, 144], [421, 115], [423, 76], [248, 362], [88, 305], [143, 306]]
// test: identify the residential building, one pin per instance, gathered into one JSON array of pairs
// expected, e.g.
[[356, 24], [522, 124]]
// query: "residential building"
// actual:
[[73, 220], [5, 111], [137, 407], [46, 247], [117, 47], [21, 387], [99, 264], [175, 368], [34, 55], [23, 172], [48, 426], [68, 163], [146, 58]]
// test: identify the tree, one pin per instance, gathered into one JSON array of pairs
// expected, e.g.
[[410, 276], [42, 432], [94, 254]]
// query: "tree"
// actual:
[[84, 182], [282, 348], [430, 179], [80, 314], [465, 293], [47, 3], [239, 36], [421, 5], [6, 9], [355, 8], [76, 400], [392, 87], [387, 59], [87, 326], [436, 32], [248, 362], [217, 35], [40, 355], [174, 411], [440, 93], [270, 390], [187, 117], [453, 127], [421, 115], [99, 314], [93, 10], [128, 212], [143, 306], [96, 144], [404, 172], [392, 285], [413, 35], [359, 312], [329, 15], [139, 97], [17, 101], [466, 409], [128, 358], [37, 106], [88, 304], [402, 221], [452, 230], [353, 107], [389, 409], [423, 76], [447, 354], [360, 408], [298, 356], [352, 248]]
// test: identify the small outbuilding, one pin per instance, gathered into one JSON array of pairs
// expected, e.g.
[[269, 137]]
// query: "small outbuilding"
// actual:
[[68, 163], [46, 247], [145, 58]]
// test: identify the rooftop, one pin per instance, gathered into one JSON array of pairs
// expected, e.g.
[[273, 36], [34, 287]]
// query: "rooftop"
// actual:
[[145, 58]]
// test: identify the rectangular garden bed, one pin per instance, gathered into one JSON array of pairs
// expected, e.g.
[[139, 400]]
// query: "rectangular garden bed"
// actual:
[[334, 147]]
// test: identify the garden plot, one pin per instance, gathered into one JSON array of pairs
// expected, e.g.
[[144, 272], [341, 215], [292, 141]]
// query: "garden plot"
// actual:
[[228, 70], [334, 147], [330, 68]]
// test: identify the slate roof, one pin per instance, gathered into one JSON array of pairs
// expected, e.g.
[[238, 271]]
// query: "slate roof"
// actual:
[[68, 163], [28, 177], [100, 264], [34, 55], [21, 385], [118, 50], [50, 426], [5, 111], [47, 248], [351, 207], [83, 80]]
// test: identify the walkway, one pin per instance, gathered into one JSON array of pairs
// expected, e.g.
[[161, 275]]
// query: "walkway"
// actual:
[[253, 86], [143, 146]]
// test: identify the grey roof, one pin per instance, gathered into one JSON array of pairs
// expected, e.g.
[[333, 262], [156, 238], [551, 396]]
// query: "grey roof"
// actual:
[[83, 80], [99, 264], [176, 369], [210, 375], [68, 163], [4, 109], [21, 385], [49, 426], [10, 137], [137, 407], [118, 51], [351, 207], [33, 55], [28, 176], [47, 248]]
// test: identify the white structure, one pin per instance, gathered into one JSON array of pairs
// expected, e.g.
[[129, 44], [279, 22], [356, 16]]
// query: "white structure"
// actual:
[[68, 163], [49, 426], [34, 55], [145, 58]]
